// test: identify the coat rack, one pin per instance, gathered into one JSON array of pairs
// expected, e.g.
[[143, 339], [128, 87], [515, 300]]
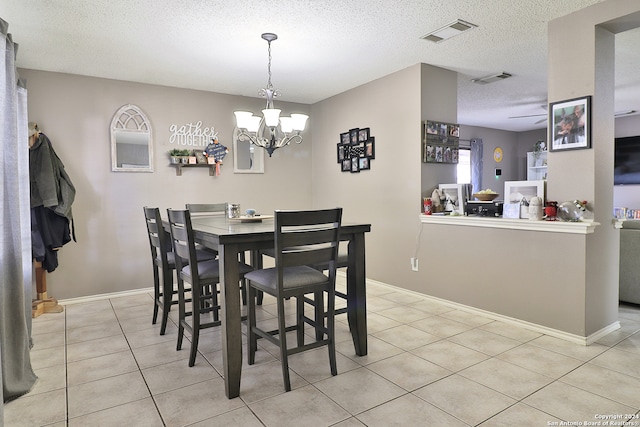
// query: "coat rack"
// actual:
[[41, 146], [43, 303]]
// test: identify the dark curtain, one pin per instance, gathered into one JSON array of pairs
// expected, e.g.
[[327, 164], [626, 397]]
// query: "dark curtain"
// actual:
[[476, 164]]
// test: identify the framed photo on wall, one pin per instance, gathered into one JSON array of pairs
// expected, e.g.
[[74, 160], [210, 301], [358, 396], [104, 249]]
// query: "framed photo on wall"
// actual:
[[570, 124], [440, 142], [353, 135], [355, 165], [363, 134], [343, 152], [363, 163], [370, 147]]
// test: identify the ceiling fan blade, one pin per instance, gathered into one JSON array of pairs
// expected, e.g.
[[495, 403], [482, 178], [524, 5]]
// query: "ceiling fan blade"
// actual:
[[530, 115]]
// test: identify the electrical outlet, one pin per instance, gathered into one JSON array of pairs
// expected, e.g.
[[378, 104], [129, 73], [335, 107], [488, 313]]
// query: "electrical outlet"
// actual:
[[414, 264]]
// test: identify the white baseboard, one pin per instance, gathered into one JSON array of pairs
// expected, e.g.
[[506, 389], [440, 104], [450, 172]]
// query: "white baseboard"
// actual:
[[577, 339]]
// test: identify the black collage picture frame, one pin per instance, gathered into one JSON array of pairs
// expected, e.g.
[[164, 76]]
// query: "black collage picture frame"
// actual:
[[441, 142], [355, 150]]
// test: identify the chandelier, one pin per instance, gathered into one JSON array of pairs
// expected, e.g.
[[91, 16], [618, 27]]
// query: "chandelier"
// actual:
[[270, 131]]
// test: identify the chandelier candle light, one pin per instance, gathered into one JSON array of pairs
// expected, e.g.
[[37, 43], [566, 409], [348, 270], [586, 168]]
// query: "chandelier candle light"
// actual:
[[281, 130]]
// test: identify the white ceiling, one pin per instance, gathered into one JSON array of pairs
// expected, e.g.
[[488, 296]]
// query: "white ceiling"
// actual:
[[324, 47]]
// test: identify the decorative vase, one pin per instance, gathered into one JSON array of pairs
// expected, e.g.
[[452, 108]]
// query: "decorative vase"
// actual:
[[570, 211], [535, 209]]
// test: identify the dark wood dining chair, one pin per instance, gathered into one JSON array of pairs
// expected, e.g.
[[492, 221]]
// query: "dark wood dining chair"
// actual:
[[216, 209], [163, 263], [317, 300], [202, 276], [207, 209], [302, 239]]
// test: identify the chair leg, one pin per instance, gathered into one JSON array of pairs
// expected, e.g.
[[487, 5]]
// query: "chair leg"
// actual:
[[319, 313], [195, 337], [256, 262], [156, 294], [243, 289], [252, 340], [198, 302], [181, 312], [331, 328], [300, 320], [167, 299], [283, 345], [214, 301], [260, 297]]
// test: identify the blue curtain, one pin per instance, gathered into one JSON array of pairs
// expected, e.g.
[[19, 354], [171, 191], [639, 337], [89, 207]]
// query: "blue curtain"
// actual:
[[476, 164], [16, 375]]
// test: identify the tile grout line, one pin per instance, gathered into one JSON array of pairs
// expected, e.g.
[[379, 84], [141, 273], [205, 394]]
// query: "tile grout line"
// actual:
[[124, 334]]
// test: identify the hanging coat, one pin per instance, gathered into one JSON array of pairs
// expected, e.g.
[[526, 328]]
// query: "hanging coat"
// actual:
[[52, 194]]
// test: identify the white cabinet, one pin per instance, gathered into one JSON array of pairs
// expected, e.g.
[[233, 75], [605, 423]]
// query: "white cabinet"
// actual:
[[536, 166]]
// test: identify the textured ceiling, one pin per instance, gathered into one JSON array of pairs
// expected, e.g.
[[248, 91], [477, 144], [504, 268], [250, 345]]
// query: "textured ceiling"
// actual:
[[324, 47]]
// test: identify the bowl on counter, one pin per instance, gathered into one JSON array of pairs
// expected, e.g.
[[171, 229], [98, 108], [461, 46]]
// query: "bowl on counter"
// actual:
[[485, 197]]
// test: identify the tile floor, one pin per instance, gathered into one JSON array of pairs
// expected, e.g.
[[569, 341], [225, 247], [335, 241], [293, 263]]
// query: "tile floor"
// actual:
[[103, 363]]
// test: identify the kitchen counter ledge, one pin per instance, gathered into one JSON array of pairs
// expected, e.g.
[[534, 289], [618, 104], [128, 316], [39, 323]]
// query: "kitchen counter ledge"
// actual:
[[582, 227]]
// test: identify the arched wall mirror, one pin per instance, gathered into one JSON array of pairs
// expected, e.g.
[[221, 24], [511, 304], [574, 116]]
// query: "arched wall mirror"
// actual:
[[131, 141], [247, 158]]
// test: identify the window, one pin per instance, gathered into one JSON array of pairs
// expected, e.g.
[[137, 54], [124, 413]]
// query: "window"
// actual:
[[463, 172]]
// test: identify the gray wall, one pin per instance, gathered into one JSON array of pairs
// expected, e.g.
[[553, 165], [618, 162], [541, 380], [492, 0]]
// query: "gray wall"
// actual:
[[387, 195], [491, 139], [588, 69], [112, 252], [439, 102], [526, 141]]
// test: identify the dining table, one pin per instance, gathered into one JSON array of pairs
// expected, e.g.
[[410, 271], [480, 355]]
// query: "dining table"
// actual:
[[234, 236]]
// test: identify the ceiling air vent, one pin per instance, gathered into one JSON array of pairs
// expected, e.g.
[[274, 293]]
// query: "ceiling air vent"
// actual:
[[448, 31], [492, 78]]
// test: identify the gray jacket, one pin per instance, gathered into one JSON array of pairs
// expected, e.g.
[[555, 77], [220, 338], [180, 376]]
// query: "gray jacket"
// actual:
[[51, 186]]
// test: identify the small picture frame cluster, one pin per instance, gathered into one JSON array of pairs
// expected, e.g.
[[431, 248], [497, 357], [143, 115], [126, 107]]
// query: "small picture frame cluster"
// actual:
[[356, 149], [440, 142]]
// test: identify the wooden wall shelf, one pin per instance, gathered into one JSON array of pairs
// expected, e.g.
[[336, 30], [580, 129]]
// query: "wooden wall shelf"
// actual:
[[179, 166]]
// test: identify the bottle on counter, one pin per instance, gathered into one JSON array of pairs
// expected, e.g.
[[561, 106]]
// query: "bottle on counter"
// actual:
[[427, 206]]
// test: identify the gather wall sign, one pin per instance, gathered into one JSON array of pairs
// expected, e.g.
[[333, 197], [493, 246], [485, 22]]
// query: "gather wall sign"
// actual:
[[192, 134]]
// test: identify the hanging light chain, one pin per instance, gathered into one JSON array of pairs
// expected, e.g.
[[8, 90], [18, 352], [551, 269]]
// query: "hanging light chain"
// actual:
[[269, 85]]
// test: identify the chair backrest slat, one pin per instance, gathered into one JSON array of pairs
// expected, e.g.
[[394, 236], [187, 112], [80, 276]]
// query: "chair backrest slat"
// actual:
[[306, 218], [158, 239], [182, 237], [307, 238], [308, 257], [207, 208]]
